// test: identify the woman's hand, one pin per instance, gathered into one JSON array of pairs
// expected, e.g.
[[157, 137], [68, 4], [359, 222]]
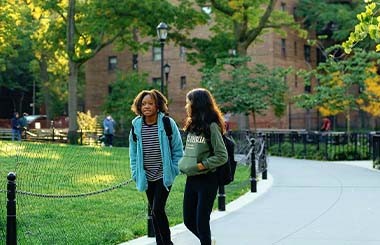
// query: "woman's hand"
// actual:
[[201, 166]]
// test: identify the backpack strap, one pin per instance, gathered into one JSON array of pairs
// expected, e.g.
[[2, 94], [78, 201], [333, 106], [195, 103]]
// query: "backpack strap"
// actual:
[[133, 134], [168, 129]]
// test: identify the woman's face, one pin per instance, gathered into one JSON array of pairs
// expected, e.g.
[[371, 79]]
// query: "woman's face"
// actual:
[[188, 107], [148, 106]]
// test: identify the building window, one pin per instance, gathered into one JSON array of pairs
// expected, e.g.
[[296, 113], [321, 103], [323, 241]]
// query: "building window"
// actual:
[[109, 89], [283, 47], [320, 56], [307, 49], [156, 52], [156, 81], [295, 48], [283, 6], [112, 63], [295, 81], [182, 53], [183, 82], [307, 88]]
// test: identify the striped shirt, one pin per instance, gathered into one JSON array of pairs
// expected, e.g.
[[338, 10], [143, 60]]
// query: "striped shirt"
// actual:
[[151, 152]]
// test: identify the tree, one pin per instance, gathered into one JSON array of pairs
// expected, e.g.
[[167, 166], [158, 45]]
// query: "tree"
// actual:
[[236, 25], [339, 81], [368, 26], [123, 91], [254, 89], [15, 52], [92, 25], [371, 102], [331, 20]]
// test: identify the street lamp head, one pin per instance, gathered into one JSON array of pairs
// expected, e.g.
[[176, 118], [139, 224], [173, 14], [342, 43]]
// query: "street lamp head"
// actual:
[[167, 69], [162, 31]]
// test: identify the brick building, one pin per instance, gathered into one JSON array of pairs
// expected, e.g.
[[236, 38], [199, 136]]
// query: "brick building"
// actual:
[[274, 51]]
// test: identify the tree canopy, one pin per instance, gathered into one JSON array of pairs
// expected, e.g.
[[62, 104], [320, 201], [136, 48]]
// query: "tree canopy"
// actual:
[[368, 27]]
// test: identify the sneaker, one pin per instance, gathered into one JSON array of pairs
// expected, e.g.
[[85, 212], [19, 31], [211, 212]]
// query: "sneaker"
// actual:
[[213, 241]]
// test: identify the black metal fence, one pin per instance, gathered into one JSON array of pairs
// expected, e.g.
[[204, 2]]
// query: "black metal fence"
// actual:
[[376, 150], [313, 144]]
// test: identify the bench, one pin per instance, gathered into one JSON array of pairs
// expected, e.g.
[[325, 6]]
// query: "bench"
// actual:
[[46, 135], [5, 133]]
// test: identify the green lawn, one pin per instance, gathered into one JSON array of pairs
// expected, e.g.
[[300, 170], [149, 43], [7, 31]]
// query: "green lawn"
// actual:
[[110, 217]]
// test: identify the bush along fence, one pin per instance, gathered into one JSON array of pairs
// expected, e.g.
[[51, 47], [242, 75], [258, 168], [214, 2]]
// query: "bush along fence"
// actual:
[[331, 146]]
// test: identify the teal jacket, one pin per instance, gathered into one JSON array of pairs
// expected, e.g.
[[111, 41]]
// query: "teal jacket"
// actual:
[[170, 156], [197, 150]]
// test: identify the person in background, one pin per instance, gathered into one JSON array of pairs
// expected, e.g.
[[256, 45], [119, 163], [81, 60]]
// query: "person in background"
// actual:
[[16, 127], [204, 125], [24, 124], [326, 124], [154, 157], [109, 130]]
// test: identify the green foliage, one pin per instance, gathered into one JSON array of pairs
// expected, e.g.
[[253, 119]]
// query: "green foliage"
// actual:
[[236, 25], [339, 80], [247, 90], [376, 163], [296, 151], [123, 91], [334, 19], [311, 151], [368, 26]]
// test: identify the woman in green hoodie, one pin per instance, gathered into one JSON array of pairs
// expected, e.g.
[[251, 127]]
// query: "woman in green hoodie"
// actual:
[[204, 125]]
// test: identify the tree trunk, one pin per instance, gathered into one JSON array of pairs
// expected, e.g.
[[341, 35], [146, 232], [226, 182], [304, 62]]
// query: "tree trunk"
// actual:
[[73, 74], [254, 120], [44, 76], [73, 81]]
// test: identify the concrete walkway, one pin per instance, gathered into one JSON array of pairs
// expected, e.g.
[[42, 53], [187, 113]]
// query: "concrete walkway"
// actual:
[[303, 202]]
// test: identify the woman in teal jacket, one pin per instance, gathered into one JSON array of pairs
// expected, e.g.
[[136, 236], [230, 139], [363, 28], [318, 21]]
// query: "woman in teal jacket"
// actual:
[[153, 157]]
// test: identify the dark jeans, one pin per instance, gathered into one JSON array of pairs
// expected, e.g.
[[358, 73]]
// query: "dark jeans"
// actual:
[[157, 195], [199, 197], [109, 139], [16, 134]]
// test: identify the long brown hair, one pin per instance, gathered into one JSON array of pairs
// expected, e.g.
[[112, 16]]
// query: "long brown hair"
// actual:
[[159, 98], [202, 110]]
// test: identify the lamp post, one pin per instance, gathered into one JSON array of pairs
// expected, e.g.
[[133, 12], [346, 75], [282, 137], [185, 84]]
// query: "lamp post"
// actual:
[[167, 71], [162, 32]]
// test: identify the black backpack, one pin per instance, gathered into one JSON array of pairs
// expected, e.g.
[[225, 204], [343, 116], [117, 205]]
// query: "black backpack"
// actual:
[[167, 126], [226, 172]]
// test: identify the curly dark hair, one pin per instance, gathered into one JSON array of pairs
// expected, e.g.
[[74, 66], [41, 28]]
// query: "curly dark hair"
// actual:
[[202, 110], [159, 98]]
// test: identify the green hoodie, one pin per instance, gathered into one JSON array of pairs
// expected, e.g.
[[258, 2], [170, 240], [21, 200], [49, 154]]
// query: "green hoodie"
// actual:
[[197, 150]]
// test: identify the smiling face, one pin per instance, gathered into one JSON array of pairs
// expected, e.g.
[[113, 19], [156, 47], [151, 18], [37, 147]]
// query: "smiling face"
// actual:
[[148, 106]]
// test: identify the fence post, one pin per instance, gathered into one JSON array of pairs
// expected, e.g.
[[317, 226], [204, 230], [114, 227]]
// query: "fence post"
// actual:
[[326, 138], [81, 136], [221, 198], [253, 172], [11, 210], [150, 223], [264, 174]]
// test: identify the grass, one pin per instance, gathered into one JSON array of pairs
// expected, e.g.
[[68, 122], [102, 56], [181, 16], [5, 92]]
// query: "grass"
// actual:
[[110, 217]]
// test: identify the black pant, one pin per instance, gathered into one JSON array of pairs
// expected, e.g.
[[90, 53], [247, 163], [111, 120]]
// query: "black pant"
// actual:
[[157, 195], [199, 197], [109, 139]]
